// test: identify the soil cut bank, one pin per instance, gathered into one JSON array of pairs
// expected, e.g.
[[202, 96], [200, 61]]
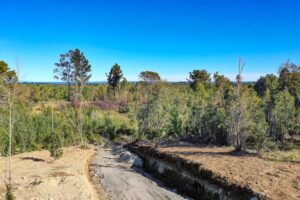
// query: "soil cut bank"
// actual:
[[214, 173]]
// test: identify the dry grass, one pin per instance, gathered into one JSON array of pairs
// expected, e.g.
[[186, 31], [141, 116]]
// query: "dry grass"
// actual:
[[283, 156], [38, 108]]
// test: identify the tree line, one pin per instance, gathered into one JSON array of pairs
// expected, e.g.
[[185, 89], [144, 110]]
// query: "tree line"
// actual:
[[207, 108]]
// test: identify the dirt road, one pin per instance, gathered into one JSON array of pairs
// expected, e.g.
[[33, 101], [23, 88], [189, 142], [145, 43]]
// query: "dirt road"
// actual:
[[114, 170]]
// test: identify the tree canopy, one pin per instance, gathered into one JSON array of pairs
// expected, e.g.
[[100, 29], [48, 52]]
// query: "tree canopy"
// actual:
[[149, 76]]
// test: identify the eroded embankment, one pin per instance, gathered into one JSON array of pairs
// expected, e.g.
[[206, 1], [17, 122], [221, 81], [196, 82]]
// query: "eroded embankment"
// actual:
[[189, 177]]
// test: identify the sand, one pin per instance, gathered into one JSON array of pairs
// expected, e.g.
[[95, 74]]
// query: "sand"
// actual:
[[37, 176]]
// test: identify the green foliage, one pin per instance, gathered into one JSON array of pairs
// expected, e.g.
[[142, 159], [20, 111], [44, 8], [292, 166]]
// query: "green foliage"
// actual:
[[55, 142], [154, 115], [221, 82], [283, 115], [198, 79], [82, 68], [289, 77], [9, 194], [175, 128], [149, 76], [268, 111], [6, 74], [110, 124], [246, 120], [269, 83], [64, 70], [114, 77]]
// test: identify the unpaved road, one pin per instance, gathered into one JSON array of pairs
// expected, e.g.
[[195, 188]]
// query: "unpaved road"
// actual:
[[111, 171]]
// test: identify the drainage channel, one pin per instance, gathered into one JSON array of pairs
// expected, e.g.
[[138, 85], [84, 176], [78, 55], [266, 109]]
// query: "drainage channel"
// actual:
[[120, 174]]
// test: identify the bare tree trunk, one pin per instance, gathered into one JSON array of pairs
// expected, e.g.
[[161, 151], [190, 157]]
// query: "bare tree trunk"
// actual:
[[114, 94], [10, 138], [52, 119], [11, 98], [69, 91], [78, 99], [80, 113], [239, 112]]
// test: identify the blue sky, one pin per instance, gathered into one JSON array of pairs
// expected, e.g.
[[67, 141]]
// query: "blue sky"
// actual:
[[171, 37]]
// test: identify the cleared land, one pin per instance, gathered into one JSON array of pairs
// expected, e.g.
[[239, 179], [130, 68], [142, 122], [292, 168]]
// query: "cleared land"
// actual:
[[276, 179], [37, 176]]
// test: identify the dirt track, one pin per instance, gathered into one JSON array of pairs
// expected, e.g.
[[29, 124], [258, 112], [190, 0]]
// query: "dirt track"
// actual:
[[121, 182]]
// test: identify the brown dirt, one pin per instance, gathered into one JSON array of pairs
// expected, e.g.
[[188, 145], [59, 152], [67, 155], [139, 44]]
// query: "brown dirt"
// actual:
[[277, 180], [37, 176]]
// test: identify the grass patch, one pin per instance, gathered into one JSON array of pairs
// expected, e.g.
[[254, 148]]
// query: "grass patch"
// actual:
[[283, 156]]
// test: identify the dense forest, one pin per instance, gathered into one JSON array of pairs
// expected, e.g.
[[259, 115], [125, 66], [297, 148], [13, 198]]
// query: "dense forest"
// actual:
[[263, 115]]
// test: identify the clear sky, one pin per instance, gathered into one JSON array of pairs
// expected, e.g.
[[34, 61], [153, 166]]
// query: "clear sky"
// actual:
[[171, 37]]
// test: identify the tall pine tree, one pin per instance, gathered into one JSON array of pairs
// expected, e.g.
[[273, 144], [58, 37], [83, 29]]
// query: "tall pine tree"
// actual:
[[82, 74], [64, 70], [114, 77]]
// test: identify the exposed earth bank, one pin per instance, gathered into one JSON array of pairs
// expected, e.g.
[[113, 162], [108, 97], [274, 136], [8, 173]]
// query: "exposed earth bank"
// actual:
[[219, 172]]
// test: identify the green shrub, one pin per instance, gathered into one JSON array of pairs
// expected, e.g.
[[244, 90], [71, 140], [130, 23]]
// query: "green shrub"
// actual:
[[112, 124], [95, 139], [9, 194], [54, 145]]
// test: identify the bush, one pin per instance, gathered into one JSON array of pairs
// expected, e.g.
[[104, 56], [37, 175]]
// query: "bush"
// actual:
[[112, 124], [54, 145], [56, 153], [95, 139], [9, 193]]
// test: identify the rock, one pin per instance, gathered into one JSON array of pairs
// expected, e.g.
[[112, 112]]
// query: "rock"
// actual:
[[132, 159]]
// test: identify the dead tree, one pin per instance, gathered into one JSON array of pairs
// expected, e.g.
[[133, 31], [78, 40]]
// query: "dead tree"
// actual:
[[237, 116], [238, 132], [11, 82]]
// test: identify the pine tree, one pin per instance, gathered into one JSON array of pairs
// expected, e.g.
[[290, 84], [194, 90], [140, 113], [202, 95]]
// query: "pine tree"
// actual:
[[114, 77], [64, 70], [82, 74], [199, 77]]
